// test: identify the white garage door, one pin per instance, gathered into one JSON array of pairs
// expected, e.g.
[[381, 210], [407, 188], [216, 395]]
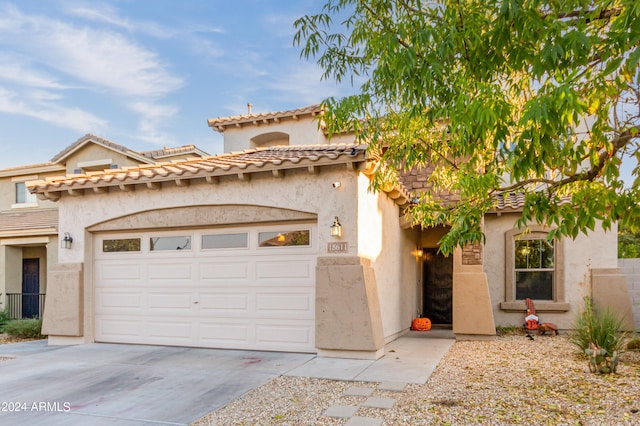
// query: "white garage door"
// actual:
[[240, 288]]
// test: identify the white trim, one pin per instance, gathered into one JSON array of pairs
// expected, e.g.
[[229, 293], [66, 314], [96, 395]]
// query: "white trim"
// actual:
[[24, 205], [93, 163], [24, 240], [24, 178]]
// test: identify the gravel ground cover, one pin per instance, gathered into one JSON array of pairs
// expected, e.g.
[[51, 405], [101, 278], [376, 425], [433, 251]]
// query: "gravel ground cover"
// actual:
[[511, 380]]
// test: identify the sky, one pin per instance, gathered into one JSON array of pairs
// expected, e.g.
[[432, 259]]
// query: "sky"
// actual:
[[145, 73]]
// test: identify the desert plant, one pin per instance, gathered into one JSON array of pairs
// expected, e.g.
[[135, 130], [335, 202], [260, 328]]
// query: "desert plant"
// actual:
[[634, 344], [4, 319], [598, 334], [24, 328], [509, 330]]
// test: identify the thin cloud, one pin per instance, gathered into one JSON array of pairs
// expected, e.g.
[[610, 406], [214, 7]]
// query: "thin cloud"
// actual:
[[71, 118], [154, 117], [302, 81], [103, 59], [107, 15], [18, 72]]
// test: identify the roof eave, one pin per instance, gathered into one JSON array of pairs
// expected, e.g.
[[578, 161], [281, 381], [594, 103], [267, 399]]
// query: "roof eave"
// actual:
[[45, 190]]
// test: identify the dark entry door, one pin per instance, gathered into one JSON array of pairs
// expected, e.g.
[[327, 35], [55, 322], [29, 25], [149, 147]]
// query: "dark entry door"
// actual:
[[437, 274], [30, 288]]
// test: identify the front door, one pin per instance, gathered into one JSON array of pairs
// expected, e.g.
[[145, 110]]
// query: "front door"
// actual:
[[438, 286], [30, 288]]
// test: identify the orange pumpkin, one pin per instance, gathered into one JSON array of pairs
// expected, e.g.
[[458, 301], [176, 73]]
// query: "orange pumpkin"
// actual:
[[421, 324]]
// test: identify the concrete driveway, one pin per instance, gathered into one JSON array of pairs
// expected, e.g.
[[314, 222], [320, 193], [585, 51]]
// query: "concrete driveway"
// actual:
[[105, 384]]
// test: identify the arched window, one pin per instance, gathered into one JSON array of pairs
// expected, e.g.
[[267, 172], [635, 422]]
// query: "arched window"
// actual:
[[270, 139]]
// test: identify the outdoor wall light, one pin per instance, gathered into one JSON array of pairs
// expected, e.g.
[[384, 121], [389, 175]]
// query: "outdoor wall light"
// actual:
[[65, 243], [336, 228]]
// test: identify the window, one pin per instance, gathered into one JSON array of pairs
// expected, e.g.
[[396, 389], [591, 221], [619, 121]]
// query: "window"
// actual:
[[169, 243], [225, 241], [23, 196], [534, 269], [121, 245], [284, 238]]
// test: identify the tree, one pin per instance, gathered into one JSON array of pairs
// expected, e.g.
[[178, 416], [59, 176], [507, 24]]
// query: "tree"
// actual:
[[628, 243], [536, 98]]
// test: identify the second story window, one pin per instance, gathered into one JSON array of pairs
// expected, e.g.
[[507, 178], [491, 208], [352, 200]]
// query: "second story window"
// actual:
[[23, 196]]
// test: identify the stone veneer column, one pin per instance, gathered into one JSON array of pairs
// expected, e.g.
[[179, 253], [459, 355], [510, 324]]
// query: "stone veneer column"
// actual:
[[472, 312], [348, 321]]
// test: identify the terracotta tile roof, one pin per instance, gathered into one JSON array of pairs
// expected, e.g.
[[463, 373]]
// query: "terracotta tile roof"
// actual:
[[86, 138], [166, 152], [220, 123], [512, 200], [32, 169], [18, 220], [249, 161]]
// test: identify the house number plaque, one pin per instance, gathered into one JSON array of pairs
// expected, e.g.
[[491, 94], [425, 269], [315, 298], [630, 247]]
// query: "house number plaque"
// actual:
[[341, 247]]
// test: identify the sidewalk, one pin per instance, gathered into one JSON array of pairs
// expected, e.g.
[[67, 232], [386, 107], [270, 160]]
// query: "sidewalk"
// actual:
[[409, 359]]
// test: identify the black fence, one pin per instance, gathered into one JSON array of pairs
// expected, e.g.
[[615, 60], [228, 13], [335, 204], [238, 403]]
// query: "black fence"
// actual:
[[25, 305]]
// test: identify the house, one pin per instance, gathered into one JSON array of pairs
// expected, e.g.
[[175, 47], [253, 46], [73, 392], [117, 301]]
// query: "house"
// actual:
[[29, 226], [278, 244]]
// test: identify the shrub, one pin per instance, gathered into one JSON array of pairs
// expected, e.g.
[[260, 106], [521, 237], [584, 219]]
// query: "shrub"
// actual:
[[24, 328], [509, 330], [634, 344], [4, 319], [598, 334]]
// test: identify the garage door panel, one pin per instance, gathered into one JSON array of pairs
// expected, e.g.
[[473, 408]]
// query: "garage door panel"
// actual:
[[292, 268], [223, 303], [171, 270], [170, 331], [284, 304], [119, 328], [118, 301], [224, 334], [274, 334], [169, 302], [118, 271], [253, 298], [219, 270]]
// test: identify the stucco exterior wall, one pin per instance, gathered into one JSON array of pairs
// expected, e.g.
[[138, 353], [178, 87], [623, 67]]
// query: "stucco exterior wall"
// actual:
[[597, 250], [8, 190], [303, 131], [298, 190], [93, 152], [391, 251]]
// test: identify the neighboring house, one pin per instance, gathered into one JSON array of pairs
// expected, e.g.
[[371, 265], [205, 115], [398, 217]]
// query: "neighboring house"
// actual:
[[278, 244], [29, 237]]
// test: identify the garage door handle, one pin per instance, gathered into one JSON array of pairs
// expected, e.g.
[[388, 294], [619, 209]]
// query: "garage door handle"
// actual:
[[195, 303]]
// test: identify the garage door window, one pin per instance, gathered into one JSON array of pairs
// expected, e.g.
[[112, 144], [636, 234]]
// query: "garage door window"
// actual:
[[225, 241], [121, 245], [169, 243], [284, 238]]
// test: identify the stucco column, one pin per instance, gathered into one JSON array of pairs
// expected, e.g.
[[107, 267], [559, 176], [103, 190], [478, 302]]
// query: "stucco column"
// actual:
[[609, 289], [472, 312], [348, 320], [64, 305]]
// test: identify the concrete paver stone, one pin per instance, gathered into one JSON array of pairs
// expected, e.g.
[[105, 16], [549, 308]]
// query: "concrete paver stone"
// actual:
[[358, 391], [379, 403], [392, 386], [342, 411], [363, 421]]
